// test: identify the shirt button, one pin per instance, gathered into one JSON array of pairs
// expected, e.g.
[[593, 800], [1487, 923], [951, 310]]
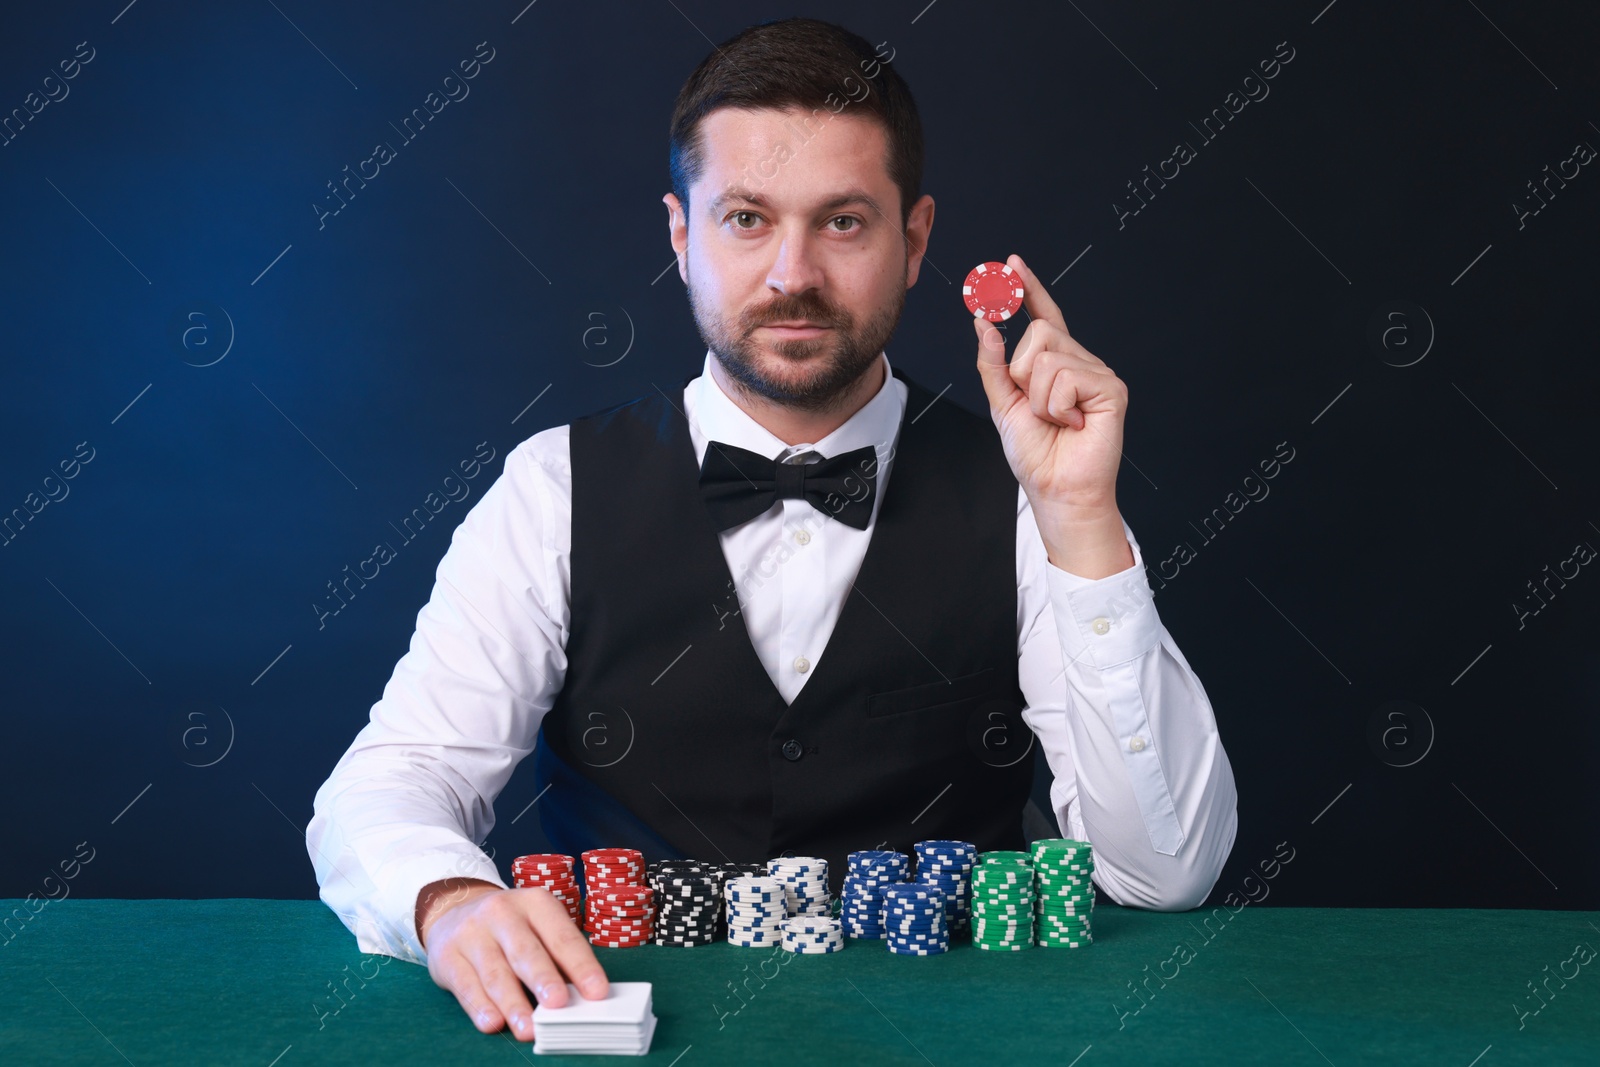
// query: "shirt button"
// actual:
[[792, 750], [802, 537], [802, 664], [1101, 625], [1136, 745]]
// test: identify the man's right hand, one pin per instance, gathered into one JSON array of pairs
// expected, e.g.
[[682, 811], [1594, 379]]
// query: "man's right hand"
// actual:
[[484, 943]]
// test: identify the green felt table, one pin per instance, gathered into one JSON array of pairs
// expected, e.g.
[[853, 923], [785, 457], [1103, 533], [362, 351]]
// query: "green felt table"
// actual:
[[251, 982]]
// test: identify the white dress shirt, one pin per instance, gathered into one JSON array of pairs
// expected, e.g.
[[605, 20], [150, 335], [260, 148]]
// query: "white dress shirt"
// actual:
[[1124, 722]]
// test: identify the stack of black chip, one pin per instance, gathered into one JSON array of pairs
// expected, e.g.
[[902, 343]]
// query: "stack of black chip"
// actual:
[[688, 897]]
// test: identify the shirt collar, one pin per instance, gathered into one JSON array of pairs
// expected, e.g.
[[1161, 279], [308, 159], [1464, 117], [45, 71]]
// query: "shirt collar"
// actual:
[[717, 418]]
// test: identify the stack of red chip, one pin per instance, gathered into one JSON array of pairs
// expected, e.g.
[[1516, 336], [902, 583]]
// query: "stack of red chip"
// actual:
[[620, 917], [549, 871], [619, 908]]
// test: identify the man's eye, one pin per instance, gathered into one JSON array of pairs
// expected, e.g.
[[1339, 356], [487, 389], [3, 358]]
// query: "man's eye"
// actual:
[[737, 215], [854, 223]]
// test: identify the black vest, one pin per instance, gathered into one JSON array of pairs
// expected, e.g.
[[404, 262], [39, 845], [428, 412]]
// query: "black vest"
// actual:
[[669, 736]]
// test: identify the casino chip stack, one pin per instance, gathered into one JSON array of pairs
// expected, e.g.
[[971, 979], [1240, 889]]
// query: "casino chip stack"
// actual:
[[947, 865], [805, 884], [861, 902], [688, 902], [914, 920], [1064, 893], [756, 910], [618, 908], [548, 871], [807, 934], [1003, 901]]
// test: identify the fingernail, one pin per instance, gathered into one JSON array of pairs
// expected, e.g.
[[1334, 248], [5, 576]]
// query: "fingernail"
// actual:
[[483, 1018], [519, 1022]]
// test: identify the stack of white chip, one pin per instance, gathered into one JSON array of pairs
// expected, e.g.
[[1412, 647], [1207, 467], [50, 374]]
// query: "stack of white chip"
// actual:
[[807, 934], [805, 884], [756, 907], [620, 1025]]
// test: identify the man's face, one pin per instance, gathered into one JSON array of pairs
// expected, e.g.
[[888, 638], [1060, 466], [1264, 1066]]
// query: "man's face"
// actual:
[[792, 253]]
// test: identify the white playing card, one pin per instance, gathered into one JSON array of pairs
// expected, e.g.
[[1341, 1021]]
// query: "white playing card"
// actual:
[[620, 1024]]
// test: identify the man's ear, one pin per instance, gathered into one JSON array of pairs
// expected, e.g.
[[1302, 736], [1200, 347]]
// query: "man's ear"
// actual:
[[919, 224], [678, 227]]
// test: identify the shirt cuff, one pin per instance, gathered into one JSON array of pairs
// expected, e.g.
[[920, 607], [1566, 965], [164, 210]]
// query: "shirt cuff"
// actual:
[[402, 880], [1103, 622]]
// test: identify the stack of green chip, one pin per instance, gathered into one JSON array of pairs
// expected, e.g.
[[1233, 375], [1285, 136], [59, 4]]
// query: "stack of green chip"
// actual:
[[1002, 902], [1063, 892]]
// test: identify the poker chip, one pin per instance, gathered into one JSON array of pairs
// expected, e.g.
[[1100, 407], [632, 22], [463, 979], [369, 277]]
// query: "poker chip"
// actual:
[[807, 935], [861, 898], [947, 866], [688, 901], [756, 907], [915, 919], [992, 291], [914, 903], [1063, 892], [551, 872], [1003, 898], [618, 908], [805, 884], [688, 898]]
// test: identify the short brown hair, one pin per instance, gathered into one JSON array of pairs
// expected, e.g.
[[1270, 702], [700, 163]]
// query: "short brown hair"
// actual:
[[800, 63]]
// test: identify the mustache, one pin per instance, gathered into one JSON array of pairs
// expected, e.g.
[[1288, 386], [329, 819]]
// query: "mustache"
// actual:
[[789, 309]]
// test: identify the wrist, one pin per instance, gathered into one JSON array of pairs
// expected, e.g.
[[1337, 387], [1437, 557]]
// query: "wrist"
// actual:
[[1086, 541], [437, 898]]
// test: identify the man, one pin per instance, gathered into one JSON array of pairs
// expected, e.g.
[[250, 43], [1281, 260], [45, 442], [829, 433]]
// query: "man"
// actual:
[[713, 653]]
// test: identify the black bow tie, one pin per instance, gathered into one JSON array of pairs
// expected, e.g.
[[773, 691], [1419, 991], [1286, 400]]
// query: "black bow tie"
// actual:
[[739, 484]]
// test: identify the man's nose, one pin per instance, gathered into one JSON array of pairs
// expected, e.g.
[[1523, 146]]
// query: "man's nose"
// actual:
[[795, 268]]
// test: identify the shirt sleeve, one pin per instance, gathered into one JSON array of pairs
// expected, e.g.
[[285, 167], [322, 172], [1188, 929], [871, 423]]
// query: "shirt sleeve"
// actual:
[[1140, 772], [408, 801]]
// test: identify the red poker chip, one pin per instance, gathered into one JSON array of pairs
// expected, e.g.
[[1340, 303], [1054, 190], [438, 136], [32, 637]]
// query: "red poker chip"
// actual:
[[993, 291], [601, 854], [638, 937], [623, 894]]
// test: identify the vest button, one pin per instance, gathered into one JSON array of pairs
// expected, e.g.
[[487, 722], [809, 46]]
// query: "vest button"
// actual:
[[792, 750]]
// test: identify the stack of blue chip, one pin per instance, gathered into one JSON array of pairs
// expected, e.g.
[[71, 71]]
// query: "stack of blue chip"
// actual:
[[914, 920], [947, 865], [861, 902]]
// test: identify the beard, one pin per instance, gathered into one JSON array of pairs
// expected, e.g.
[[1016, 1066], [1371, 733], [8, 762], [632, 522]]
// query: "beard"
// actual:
[[805, 373]]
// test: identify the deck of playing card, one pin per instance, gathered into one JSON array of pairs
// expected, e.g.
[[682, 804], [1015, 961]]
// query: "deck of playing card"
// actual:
[[620, 1025]]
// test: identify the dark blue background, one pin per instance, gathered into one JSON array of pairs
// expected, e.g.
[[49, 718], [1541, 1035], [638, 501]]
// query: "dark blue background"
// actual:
[[471, 275]]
